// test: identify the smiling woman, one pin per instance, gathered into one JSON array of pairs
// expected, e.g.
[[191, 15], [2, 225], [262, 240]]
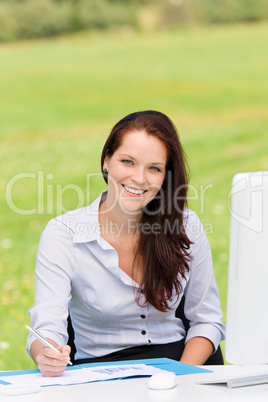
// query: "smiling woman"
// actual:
[[141, 153], [122, 279]]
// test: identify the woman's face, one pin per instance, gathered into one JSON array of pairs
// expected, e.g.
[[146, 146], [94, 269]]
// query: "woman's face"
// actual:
[[136, 171]]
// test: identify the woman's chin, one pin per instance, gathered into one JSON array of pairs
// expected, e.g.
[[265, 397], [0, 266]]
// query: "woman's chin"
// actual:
[[133, 207]]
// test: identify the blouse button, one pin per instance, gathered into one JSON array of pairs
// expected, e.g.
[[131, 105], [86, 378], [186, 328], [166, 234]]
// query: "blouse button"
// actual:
[[143, 316], [143, 332]]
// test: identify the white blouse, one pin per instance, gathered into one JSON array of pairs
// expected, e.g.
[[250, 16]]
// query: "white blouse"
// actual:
[[77, 271]]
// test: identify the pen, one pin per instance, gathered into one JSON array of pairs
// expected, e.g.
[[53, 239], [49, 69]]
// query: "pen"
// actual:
[[44, 341]]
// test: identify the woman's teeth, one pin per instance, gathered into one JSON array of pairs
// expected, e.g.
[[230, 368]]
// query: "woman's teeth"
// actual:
[[131, 190]]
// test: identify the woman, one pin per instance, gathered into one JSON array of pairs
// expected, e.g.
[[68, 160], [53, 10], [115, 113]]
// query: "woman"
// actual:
[[121, 266]]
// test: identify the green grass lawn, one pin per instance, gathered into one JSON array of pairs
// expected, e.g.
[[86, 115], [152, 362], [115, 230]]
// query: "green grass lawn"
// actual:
[[60, 98]]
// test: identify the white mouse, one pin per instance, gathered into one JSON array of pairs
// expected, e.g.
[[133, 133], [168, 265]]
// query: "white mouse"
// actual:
[[162, 380]]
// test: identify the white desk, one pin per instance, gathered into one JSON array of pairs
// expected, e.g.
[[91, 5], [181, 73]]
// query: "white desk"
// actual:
[[135, 390]]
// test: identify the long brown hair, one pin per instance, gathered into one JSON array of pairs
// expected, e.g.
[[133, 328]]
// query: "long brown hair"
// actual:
[[164, 249]]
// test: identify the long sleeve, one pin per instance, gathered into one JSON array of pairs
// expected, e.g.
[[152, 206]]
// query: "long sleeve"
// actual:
[[55, 266], [202, 303]]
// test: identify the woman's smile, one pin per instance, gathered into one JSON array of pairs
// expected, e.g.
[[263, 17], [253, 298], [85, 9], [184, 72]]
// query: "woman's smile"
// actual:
[[133, 191]]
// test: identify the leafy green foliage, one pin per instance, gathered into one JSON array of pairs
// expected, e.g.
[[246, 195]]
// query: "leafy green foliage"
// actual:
[[33, 19], [24, 19]]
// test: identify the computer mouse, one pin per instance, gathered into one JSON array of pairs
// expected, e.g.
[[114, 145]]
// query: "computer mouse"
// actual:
[[162, 380]]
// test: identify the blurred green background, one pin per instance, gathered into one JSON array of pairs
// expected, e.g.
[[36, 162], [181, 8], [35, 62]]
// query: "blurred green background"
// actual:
[[60, 97]]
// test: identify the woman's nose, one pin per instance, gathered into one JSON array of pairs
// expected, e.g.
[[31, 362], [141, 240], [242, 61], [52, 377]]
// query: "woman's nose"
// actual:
[[139, 176]]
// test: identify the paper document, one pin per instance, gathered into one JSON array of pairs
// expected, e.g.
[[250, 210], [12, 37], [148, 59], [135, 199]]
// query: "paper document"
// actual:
[[79, 375]]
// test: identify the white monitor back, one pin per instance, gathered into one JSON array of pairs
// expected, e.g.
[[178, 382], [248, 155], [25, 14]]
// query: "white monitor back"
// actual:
[[247, 298]]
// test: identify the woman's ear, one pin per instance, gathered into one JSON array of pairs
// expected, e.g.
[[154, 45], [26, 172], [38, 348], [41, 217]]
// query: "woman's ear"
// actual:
[[105, 169], [105, 164]]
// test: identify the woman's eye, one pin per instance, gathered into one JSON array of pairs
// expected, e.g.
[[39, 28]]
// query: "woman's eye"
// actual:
[[156, 169], [127, 161]]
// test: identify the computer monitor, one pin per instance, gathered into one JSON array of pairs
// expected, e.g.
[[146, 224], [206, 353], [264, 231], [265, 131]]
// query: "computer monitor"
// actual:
[[247, 297]]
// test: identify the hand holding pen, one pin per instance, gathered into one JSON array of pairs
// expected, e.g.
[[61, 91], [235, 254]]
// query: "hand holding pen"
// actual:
[[51, 360]]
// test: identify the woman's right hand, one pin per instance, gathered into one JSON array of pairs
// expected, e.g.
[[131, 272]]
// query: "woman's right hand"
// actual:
[[49, 362]]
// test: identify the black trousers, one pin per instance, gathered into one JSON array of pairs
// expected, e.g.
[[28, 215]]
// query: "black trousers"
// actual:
[[172, 350]]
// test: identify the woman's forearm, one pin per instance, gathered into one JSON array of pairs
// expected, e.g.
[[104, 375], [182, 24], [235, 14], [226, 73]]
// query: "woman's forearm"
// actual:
[[197, 350]]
